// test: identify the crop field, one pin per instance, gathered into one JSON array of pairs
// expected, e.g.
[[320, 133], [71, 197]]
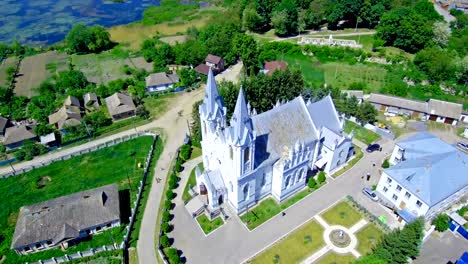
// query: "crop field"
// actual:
[[9, 62], [105, 67], [341, 75], [36, 69], [174, 39]]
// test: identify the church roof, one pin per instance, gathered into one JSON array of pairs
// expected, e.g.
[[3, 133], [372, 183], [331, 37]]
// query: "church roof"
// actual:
[[241, 124], [282, 126], [323, 114]]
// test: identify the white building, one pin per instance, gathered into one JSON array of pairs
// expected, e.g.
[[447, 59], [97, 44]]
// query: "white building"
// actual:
[[257, 155], [426, 177]]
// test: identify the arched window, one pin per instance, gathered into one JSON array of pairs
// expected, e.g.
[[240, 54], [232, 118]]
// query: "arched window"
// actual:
[[246, 192], [286, 183], [246, 155]]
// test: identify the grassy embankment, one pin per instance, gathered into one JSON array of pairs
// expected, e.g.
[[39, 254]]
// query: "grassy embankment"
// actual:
[[116, 164]]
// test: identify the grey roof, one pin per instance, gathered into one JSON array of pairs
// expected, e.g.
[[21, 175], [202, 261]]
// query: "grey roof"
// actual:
[[119, 103], [398, 102], [48, 138], [281, 127], [241, 124], [213, 105], [161, 78], [91, 99], [434, 170], [215, 180], [324, 114], [3, 123], [71, 100], [66, 116], [331, 138], [213, 59], [445, 109], [16, 134], [358, 93], [63, 218]]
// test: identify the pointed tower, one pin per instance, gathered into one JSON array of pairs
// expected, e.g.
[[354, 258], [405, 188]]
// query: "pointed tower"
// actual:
[[242, 137], [212, 110]]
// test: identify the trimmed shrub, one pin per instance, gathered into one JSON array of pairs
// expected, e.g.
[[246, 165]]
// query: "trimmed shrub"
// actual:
[[170, 195], [172, 183], [165, 242], [185, 152], [321, 177], [441, 222], [165, 227], [385, 164], [166, 217], [178, 166], [168, 205], [173, 256], [312, 183]]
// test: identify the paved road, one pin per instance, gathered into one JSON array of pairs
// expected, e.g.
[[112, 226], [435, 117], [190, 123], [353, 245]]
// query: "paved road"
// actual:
[[441, 248], [447, 16], [325, 34], [233, 243]]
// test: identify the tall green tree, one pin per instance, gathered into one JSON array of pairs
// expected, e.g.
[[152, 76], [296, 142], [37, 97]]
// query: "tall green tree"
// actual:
[[285, 18], [245, 47]]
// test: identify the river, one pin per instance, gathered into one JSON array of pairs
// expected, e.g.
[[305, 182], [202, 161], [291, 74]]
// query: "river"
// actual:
[[45, 22]]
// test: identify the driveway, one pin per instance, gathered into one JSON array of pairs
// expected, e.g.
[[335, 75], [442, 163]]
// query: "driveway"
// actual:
[[231, 74], [442, 248], [444, 13], [233, 243]]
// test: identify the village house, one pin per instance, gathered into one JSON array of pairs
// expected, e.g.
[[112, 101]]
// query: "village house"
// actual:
[[91, 102], [434, 110], [426, 177], [211, 61], [120, 106], [270, 153], [161, 81], [3, 125], [16, 135], [66, 116], [63, 221], [72, 101], [271, 66]]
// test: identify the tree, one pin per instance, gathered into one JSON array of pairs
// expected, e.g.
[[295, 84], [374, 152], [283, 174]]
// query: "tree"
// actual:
[[441, 222], [43, 129], [165, 227], [142, 112], [426, 9], [173, 256], [316, 13], [164, 240], [385, 164], [351, 105], [188, 77], [285, 18], [279, 21], [195, 127], [301, 21], [321, 177], [81, 39], [245, 47], [251, 20], [441, 34], [436, 63], [371, 259], [312, 183], [185, 151], [229, 91], [69, 81], [170, 195], [366, 113], [166, 216]]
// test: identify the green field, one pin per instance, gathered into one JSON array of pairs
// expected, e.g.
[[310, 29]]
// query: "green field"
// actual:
[[114, 164], [368, 237], [337, 74], [207, 225], [295, 247], [190, 183], [365, 40], [335, 258], [342, 214], [360, 133]]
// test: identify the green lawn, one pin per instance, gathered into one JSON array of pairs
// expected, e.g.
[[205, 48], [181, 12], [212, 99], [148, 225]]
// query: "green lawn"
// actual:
[[269, 208], [190, 183], [295, 247], [310, 68], [105, 166], [207, 225], [158, 105], [365, 40], [342, 214], [368, 237], [358, 156], [196, 152], [360, 133], [335, 258], [341, 75]]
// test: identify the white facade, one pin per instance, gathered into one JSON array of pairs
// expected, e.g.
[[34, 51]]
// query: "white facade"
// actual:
[[244, 164]]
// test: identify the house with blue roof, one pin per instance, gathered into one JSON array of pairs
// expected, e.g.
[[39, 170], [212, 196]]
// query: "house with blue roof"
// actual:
[[426, 177], [266, 154]]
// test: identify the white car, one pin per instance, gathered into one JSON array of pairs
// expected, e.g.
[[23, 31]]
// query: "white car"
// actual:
[[370, 193]]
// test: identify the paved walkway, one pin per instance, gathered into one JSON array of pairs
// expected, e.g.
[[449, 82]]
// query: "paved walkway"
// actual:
[[219, 246]]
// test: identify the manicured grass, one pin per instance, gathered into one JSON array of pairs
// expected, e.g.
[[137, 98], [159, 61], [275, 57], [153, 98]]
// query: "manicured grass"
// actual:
[[365, 40], [360, 133], [268, 208], [114, 164], [335, 258], [190, 183], [310, 69], [358, 156], [196, 152], [295, 247], [207, 225], [367, 238], [341, 214]]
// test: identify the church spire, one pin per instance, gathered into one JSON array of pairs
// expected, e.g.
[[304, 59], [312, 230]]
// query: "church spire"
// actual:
[[240, 121], [212, 102]]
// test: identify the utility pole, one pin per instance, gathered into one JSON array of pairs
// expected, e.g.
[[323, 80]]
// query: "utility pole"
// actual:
[[11, 165]]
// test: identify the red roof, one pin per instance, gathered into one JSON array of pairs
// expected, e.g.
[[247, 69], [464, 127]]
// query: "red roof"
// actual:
[[203, 69], [213, 59], [272, 66]]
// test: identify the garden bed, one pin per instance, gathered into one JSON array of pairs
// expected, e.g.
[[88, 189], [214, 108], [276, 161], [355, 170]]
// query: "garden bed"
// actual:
[[342, 214], [186, 197], [335, 258], [360, 133], [368, 237], [209, 226]]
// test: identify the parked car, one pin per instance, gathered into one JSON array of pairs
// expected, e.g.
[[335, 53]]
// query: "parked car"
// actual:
[[463, 146], [370, 193], [373, 147]]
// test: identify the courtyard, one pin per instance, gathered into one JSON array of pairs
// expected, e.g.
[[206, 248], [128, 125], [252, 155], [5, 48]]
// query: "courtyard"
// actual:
[[338, 235]]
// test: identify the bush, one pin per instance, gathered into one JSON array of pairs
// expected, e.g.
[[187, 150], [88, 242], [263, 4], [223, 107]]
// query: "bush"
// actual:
[[172, 183], [312, 183], [385, 164], [178, 166], [165, 227], [166, 217], [168, 205], [170, 195], [185, 152], [321, 177], [441, 222], [173, 256], [165, 242]]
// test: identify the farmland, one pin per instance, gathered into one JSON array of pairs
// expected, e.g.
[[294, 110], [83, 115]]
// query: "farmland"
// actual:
[[10, 62]]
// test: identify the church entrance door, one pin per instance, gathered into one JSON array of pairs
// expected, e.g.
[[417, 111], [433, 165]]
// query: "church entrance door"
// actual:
[[220, 200]]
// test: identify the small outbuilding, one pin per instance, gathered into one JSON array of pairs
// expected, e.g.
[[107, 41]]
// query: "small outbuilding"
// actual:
[[271, 66], [161, 81], [120, 106], [91, 102]]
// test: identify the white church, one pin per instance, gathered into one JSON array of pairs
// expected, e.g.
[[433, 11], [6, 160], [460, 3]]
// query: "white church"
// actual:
[[257, 155]]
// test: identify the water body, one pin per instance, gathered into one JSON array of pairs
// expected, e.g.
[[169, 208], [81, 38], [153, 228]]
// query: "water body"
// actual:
[[45, 22]]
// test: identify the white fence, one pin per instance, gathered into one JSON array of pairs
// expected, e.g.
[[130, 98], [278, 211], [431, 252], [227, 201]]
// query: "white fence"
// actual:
[[78, 255]]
